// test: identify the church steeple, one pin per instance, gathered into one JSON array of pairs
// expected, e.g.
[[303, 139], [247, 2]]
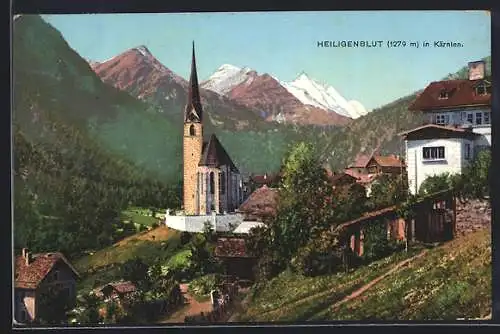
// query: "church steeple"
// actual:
[[193, 111]]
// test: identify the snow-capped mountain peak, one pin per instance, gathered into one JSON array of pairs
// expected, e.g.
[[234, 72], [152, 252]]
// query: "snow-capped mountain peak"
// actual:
[[312, 92], [225, 78], [228, 67], [143, 50]]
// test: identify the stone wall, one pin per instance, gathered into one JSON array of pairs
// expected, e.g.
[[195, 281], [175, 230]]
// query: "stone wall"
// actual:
[[473, 215], [220, 223]]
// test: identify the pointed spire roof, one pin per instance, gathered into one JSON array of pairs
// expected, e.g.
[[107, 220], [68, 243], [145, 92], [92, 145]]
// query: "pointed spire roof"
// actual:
[[193, 110], [214, 155]]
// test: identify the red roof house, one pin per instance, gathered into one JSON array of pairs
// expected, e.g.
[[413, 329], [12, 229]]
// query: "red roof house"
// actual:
[[33, 274]]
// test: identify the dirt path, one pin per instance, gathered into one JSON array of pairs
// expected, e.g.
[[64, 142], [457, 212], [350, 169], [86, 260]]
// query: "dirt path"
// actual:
[[361, 290], [192, 307], [238, 305]]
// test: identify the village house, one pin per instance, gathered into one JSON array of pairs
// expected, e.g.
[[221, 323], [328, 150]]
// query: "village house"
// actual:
[[268, 179], [366, 169], [458, 126], [260, 205], [341, 180], [34, 273], [115, 291], [211, 180]]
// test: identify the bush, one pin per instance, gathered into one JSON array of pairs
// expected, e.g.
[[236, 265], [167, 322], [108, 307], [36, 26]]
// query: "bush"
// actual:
[[269, 266], [473, 183], [202, 286], [314, 259], [185, 238], [155, 225], [376, 243], [129, 228], [435, 183]]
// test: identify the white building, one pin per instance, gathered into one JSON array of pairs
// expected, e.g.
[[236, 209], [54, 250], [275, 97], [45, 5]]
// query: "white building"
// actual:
[[458, 117]]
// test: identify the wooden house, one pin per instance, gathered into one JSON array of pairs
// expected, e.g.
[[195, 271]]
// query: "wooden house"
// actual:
[[34, 275]]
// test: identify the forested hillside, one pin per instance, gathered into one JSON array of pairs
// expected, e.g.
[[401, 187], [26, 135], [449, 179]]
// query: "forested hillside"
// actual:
[[69, 187]]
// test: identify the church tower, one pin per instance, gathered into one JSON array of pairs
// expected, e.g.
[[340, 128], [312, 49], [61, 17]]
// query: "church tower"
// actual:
[[192, 143]]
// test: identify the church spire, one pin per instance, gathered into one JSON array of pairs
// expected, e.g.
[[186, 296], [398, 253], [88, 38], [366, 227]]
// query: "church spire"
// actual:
[[193, 111]]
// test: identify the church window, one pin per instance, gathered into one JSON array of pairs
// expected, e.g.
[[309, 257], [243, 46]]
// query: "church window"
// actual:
[[223, 182], [192, 130], [212, 183], [201, 182]]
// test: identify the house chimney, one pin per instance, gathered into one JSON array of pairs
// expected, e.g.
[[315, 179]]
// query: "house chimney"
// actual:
[[24, 252], [27, 258], [477, 70]]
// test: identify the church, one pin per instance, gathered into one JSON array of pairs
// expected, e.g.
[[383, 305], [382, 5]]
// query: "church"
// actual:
[[211, 181]]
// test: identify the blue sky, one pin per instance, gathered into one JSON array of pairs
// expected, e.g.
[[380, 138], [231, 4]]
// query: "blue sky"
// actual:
[[285, 43]]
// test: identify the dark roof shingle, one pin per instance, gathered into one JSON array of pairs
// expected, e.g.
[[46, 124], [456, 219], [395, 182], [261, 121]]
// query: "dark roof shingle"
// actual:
[[334, 178], [430, 130], [231, 247], [265, 179], [214, 155], [262, 203]]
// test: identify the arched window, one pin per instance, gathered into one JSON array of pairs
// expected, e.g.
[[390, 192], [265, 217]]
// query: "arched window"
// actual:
[[192, 130], [223, 182], [212, 183]]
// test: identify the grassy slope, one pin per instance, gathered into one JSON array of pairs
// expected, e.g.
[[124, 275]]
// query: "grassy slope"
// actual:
[[160, 243], [452, 281], [449, 282], [291, 297], [140, 216]]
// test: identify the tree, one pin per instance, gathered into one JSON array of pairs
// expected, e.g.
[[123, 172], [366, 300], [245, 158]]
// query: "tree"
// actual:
[[478, 174], [305, 208], [435, 183], [135, 271], [201, 257], [185, 238], [388, 190], [87, 310], [208, 232]]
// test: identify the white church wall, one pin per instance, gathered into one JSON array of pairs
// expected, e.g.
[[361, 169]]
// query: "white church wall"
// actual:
[[195, 224]]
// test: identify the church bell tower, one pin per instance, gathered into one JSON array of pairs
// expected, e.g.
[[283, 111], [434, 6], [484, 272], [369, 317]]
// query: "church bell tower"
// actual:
[[192, 143]]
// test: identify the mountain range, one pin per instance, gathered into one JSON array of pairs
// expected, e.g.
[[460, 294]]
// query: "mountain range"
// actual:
[[131, 106], [230, 91], [233, 81]]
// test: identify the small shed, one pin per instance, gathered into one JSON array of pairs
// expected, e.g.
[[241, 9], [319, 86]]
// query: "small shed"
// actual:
[[235, 258], [115, 290]]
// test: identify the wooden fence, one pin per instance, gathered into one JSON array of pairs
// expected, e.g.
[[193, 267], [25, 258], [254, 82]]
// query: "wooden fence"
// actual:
[[434, 221]]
